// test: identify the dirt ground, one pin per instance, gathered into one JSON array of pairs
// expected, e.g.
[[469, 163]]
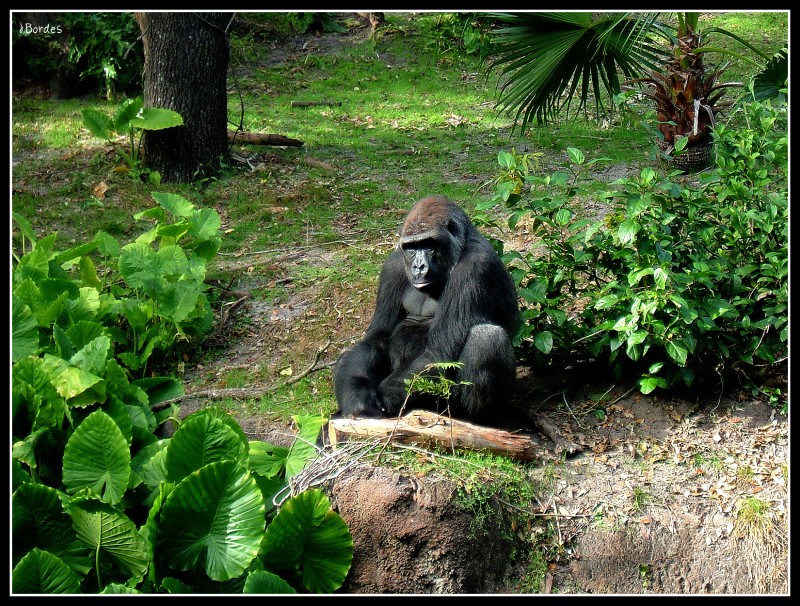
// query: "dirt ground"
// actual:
[[654, 499]]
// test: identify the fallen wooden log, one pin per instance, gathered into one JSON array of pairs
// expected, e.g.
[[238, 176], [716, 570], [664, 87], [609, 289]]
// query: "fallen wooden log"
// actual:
[[423, 427], [263, 139], [315, 103]]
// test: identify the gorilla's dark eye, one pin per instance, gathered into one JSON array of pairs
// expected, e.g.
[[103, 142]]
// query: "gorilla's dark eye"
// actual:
[[424, 244]]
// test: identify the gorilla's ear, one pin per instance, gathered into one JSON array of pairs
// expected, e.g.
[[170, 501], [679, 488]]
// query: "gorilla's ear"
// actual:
[[453, 227]]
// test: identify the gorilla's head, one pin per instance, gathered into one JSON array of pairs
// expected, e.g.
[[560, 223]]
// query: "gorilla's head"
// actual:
[[432, 238]]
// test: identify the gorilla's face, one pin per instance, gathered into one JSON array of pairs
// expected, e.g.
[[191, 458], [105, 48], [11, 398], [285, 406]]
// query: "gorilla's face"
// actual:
[[432, 239], [421, 260]]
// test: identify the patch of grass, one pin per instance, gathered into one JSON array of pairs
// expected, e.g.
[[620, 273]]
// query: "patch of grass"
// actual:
[[753, 519], [641, 498], [47, 124], [709, 462], [535, 574], [311, 396], [744, 476], [238, 377]]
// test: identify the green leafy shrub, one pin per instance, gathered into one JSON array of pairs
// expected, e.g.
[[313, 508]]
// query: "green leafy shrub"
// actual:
[[102, 503], [101, 50], [297, 23], [192, 513], [140, 298], [107, 45], [460, 32], [130, 119], [678, 282]]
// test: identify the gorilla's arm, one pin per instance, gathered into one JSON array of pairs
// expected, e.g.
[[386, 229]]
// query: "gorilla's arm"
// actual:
[[480, 291], [361, 368]]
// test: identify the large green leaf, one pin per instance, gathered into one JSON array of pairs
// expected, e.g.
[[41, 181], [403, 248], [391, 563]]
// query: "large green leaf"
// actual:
[[84, 332], [203, 439], [160, 389], [112, 535], [107, 244], [97, 123], [265, 582], [173, 203], [215, 519], [92, 357], [307, 534], [39, 520], [178, 300], [51, 288], [43, 406], [72, 382], [24, 330], [303, 448], [85, 306], [156, 118], [126, 111], [27, 292], [172, 261], [204, 223], [774, 78], [543, 341], [149, 464], [266, 459], [42, 572], [140, 266], [97, 457]]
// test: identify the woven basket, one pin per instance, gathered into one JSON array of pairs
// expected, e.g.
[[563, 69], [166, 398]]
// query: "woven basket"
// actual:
[[691, 159]]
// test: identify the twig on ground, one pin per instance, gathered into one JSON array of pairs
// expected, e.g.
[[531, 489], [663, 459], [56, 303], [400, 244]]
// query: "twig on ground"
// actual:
[[244, 392], [310, 368], [623, 396], [564, 397]]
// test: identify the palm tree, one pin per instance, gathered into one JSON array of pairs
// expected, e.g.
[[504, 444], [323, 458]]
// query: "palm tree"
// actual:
[[548, 58], [686, 95]]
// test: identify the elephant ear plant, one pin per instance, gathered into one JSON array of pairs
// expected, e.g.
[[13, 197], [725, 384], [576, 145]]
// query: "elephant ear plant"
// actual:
[[101, 502], [130, 119]]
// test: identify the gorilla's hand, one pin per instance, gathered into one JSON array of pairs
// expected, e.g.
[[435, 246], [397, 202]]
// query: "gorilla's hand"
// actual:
[[364, 403], [393, 395]]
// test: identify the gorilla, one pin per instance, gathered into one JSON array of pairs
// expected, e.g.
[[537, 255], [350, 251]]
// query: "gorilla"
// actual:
[[444, 295]]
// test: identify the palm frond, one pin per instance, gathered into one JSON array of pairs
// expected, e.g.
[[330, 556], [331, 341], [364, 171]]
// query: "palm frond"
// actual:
[[549, 61]]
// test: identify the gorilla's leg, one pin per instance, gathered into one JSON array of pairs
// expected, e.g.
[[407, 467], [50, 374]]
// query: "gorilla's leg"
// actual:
[[489, 366]]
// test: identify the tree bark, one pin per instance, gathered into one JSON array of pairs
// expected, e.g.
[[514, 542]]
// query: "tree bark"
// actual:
[[185, 70], [422, 427]]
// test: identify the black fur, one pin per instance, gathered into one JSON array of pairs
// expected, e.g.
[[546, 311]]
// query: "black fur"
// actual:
[[464, 308]]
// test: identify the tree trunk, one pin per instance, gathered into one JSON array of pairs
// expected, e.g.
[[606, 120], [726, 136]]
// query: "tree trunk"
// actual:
[[185, 70]]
